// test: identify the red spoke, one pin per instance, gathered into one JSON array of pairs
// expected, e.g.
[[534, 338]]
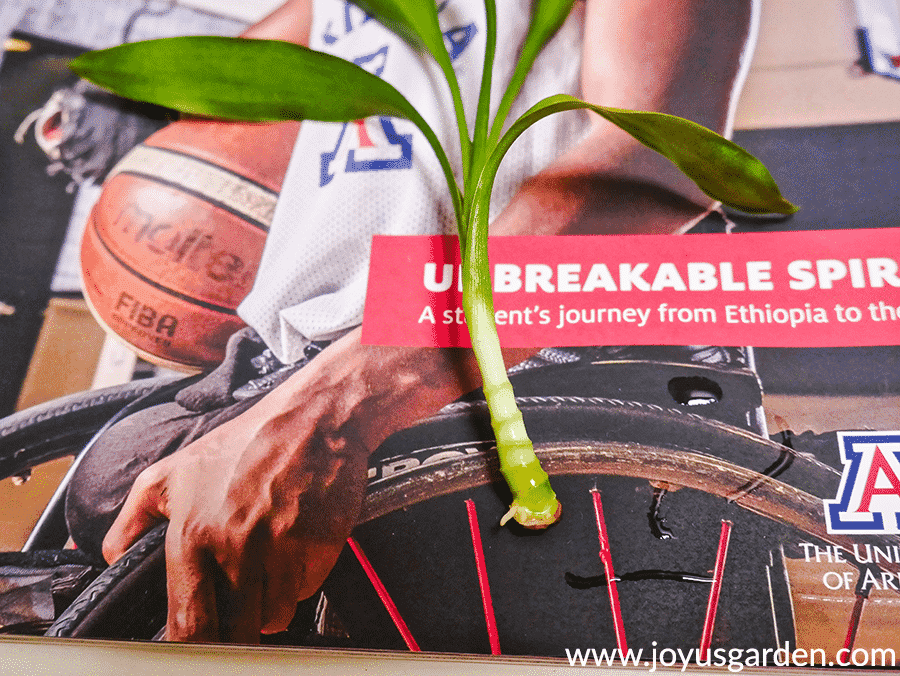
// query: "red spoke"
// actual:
[[716, 588], [386, 599], [606, 560], [480, 565], [853, 627]]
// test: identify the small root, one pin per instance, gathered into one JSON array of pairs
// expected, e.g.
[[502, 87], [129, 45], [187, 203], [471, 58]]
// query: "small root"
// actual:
[[528, 519], [509, 515]]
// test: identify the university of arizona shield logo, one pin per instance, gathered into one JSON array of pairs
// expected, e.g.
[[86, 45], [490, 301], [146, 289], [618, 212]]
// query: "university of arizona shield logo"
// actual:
[[868, 500]]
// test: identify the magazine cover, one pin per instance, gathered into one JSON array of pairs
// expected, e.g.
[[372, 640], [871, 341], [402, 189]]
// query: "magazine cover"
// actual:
[[304, 456]]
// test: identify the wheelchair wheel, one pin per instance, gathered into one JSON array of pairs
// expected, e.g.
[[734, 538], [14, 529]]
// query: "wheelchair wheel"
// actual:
[[546, 588], [63, 426]]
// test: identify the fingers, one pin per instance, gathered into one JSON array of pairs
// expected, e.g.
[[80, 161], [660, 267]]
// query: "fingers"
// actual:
[[292, 574], [192, 613], [204, 606], [144, 507], [244, 543], [240, 610], [190, 571], [282, 590], [290, 579]]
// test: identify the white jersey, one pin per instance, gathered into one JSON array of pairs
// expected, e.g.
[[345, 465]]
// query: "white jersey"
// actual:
[[348, 182]]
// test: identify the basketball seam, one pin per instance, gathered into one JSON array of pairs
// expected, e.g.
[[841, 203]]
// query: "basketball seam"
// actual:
[[156, 285], [249, 217], [250, 220], [261, 186]]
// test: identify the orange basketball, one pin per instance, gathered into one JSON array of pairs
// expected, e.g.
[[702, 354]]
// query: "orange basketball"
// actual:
[[173, 244]]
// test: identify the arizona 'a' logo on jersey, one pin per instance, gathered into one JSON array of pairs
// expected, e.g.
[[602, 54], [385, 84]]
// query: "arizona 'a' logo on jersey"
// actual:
[[868, 500], [373, 145]]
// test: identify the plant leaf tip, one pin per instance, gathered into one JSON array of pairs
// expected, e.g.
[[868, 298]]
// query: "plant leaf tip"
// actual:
[[789, 208], [782, 207]]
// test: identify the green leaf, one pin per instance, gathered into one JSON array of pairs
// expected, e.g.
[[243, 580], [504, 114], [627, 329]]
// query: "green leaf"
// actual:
[[547, 16], [416, 21], [252, 80], [720, 168], [234, 78]]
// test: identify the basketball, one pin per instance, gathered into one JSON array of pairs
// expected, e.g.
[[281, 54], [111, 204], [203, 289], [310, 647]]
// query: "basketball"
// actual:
[[173, 244]]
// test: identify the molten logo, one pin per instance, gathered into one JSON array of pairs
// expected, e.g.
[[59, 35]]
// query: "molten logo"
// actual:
[[868, 500]]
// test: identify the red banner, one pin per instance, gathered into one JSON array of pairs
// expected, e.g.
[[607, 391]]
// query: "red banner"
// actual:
[[788, 289]]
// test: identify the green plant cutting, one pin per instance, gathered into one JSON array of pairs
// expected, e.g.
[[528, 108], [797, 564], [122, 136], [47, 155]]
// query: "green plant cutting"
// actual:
[[267, 80]]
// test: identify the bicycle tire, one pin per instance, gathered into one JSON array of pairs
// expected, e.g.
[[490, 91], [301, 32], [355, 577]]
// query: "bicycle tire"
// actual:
[[62, 426], [602, 440]]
